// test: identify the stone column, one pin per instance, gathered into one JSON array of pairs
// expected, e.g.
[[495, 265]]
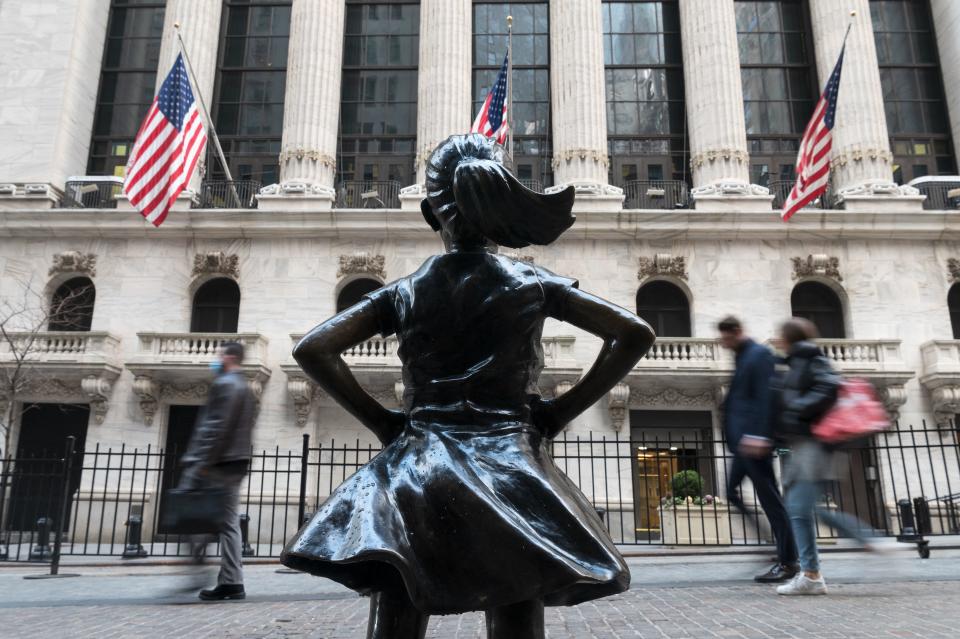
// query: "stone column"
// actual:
[[714, 102], [578, 100], [50, 60], [946, 21], [444, 80], [199, 22], [312, 107], [861, 161]]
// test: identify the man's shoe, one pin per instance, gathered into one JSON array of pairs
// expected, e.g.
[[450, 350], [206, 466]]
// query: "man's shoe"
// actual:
[[778, 573], [803, 585], [224, 592]]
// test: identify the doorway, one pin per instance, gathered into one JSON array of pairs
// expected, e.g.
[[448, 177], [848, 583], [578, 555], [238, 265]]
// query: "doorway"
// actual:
[[36, 485], [180, 422]]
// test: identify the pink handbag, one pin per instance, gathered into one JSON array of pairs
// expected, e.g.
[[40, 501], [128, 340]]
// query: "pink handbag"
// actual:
[[856, 414]]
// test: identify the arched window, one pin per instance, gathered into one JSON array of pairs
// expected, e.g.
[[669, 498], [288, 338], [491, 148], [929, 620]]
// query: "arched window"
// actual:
[[71, 307], [216, 307], [953, 303], [666, 308], [353, 291], [819, 304]]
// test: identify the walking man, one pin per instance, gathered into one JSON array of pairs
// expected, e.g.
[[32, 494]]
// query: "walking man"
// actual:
[[218, 457], [748, 425]]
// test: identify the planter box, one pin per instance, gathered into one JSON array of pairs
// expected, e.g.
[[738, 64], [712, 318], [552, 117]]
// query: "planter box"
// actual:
[[695, 525]]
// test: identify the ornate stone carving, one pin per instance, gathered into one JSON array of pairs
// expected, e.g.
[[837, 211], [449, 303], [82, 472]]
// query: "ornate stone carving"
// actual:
[[618, 402], [310, 154], [893, 397], [953, 269], [529, 259], [663, 264], [302, 392], [362, 263], [673, 397], [149, 394], [858, 155], [946, 404], [216, 263], [712, 155], [193, 393], [720, 394], [568, 155], [74, 262], [738, 189], [817, 264], [97, 391]]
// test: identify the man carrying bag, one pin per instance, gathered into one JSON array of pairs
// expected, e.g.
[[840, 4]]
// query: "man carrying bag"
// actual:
[[215, 464]]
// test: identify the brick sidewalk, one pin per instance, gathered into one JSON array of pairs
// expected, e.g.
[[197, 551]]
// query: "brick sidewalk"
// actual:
[[915, 609]]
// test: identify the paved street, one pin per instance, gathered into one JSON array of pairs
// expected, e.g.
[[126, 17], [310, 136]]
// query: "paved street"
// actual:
[[672, 597]]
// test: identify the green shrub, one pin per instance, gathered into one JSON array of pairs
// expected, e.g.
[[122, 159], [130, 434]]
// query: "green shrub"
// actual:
[[687, 483]]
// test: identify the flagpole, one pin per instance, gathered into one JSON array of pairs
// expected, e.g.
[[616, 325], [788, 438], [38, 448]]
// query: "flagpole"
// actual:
[[206, 114], [510, 86]]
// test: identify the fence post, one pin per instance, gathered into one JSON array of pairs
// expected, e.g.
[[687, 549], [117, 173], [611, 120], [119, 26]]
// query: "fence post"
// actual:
[[304, 456], [58, 536], [133, 549], [4, 472], [247, 549], [42, 548]]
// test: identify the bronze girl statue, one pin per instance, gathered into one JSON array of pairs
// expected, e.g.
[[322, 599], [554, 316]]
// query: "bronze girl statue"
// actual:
[[464, 508]]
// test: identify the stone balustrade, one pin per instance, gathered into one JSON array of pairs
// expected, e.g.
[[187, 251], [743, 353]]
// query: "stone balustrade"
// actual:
[[198, 348], [61, 346], [686, 352], [863, 355]]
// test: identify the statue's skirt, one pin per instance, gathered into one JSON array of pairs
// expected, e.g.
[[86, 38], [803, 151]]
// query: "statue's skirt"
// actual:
[[465, 518]]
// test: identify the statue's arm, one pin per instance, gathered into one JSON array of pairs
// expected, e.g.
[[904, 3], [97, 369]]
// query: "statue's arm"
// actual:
[[319, 355], [626, 338]]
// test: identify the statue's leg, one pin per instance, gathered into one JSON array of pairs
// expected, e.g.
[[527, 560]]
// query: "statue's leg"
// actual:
[[393, 616], [522, 620]]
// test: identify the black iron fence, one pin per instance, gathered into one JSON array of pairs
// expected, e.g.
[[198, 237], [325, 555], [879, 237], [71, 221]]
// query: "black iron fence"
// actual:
[[91, 192], [368, 194], [656, 194], [780, 190], [224, 194], [942, 195], [648, 490]]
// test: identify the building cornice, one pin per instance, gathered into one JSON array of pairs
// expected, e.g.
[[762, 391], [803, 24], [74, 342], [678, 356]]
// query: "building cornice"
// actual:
[[396, 224]]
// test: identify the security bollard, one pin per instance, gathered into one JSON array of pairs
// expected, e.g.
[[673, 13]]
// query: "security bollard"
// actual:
[[922, 511], [42, 550], [908, 529], [248, 550], [133, 549]]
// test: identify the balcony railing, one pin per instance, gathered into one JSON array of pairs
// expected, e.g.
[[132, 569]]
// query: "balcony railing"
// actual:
[[223, 194], [780, 190], [685, 352], [943, 192], [92, 192], [198, 348], [533, 185], [851, 355], [656, 194], [368, 194], [60, 346]]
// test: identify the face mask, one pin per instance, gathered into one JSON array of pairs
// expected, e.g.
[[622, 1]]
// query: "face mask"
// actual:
[[216, 366]]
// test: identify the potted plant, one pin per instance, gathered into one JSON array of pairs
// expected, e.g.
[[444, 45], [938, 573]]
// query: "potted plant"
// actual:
[[687, 516]]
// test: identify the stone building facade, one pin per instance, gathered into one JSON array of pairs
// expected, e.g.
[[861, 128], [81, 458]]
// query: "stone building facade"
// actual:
[[676, 220]]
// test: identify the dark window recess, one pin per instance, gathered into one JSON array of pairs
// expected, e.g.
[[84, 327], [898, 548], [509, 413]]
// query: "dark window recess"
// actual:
[[665, 307], [179, 430], [128, 77], [354, 291], [643, 67], [532, 142], [250, 87], [37, 481], [378, 100], [216, 307], [913, 95], [821, 305], [71, 306], [779, 83], [953, 304]]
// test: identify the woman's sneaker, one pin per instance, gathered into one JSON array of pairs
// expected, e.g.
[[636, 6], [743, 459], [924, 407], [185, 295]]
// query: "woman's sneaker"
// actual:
[[803, 585]]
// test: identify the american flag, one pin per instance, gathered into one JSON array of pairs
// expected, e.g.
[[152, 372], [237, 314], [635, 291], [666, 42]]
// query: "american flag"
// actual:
[[492, 119], [167, 148], [813, 160]]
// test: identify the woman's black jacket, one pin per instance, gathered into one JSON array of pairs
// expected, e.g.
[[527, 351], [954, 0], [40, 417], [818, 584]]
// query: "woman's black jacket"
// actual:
[[808, 389]]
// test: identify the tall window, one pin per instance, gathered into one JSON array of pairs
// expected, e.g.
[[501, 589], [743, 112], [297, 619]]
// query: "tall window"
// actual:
[[821, 305], [128, 77], [249, 92], [912, 89], [665, 307], [71, 307], [216, 307], [531, 79], [779, 83], [953, 305], [378, 103], [354, 291], [644, 79]]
